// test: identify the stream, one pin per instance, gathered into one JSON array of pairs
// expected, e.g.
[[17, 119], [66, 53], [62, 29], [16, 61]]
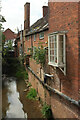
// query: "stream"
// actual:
[[15, 104]]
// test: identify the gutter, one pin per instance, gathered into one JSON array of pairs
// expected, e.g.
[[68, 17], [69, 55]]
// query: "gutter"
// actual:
[[35, 32], [55, 90]]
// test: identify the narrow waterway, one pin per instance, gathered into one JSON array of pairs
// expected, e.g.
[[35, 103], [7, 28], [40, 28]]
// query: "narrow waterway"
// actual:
[[14, 101]]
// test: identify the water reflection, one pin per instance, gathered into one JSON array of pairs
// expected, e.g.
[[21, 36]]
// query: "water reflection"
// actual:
[[15, 103], [15, 107]]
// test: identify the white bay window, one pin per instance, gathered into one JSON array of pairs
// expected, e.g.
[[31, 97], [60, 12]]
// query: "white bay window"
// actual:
[[57, 51]]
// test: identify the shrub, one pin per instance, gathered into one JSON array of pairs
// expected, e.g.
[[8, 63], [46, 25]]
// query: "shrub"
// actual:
[[21, 72], [25, 75], [29, 84], [39, 55], [20, 75], [32, 94], [46, 111]]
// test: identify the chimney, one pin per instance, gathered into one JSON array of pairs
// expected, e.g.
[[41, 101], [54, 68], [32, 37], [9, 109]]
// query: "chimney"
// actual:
[[45, 10], [26, 16]]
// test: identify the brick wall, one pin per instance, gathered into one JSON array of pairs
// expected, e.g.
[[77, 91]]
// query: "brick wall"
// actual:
[[29, 43], [79, 52], [61, 108], [18, 47], [64, 17], [9, 34], [35, 83], [40, 42]]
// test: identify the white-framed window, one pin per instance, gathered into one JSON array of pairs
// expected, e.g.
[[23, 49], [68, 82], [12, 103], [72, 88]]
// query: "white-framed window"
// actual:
[[34, 37], [57, 51], [41, 35]]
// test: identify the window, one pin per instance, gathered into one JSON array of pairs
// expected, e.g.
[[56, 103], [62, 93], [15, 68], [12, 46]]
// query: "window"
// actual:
[[27, 38], [56, 51], [34, 37], [41, 35]]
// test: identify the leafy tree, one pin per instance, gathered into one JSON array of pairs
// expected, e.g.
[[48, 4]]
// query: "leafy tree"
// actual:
[[39, 55], [2, 19], [2, 39]]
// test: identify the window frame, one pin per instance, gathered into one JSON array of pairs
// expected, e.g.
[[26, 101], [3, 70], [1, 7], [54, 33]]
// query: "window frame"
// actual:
[[40, 37], [59, 65], [35, 37], [28, 37]]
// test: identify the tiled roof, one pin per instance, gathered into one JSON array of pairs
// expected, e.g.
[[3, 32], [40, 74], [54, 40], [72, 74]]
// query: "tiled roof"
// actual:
[[9, 34], [40, 25]]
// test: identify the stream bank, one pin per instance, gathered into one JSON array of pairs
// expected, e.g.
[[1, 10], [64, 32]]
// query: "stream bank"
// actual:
[[15, 103]]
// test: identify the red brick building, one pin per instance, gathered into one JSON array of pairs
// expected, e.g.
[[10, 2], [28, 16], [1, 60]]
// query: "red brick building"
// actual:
[[37, 34], [9, 36], [64, 20], [58, 30]]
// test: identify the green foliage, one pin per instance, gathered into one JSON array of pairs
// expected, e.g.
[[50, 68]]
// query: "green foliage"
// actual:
[[46, 111], [29, 84], [3, 39], [39, 55], [21, 59], [25, 56], [21, 72], [1, 21], [32, 94], [20, 75], [6, 50], [10, 47], [25, 75]]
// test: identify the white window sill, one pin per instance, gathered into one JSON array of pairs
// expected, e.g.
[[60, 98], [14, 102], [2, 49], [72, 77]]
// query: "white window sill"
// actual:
[[52, 64], [41, 38], [56, 64]]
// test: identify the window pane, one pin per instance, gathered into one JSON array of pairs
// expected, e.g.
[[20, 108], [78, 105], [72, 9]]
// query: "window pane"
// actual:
[[50, 45], [41, 35], [61, 48], [53, 48], [51, 58]]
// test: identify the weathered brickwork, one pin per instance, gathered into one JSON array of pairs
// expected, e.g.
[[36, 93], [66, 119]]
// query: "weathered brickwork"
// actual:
[[61, 108], [27, 45], [18, 47], [79, 51], [64, 17], [30, 42]]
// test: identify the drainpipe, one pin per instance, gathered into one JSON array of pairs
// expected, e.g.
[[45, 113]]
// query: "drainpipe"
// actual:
[[31, 45]]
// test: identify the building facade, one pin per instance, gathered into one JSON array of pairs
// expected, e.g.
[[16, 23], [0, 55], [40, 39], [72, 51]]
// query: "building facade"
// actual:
[[58, 31], [37, 34], [9, 36]]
